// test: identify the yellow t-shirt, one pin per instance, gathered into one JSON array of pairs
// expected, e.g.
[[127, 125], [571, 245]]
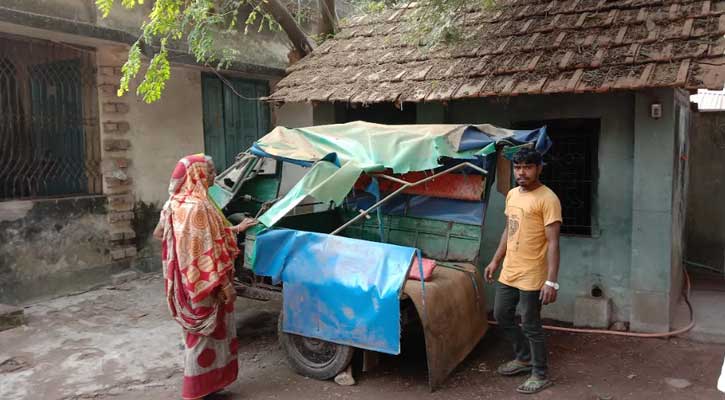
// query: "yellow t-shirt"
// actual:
[[525, 266]]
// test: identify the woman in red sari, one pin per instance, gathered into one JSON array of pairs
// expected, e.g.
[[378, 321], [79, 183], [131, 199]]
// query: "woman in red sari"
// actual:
[[198, 253]]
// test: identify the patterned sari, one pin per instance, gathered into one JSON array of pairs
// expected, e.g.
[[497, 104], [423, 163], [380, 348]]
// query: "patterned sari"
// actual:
[[198, 253]]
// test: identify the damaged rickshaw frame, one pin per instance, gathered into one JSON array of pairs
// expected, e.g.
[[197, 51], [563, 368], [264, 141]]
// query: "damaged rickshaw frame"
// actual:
[[451, 307]]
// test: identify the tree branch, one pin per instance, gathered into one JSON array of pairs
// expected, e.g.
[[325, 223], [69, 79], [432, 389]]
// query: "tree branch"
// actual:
[[300, 41]]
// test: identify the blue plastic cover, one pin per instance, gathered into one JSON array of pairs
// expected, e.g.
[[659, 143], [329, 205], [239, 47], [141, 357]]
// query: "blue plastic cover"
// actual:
[[464, 212], [475, 138], [335, 288]]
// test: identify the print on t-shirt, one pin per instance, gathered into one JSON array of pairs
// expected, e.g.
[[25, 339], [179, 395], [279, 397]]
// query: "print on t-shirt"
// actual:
[[515, 218]]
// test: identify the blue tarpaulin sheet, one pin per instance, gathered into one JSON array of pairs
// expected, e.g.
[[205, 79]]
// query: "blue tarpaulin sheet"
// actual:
[[335, 288], [479, 137], [464, 212]]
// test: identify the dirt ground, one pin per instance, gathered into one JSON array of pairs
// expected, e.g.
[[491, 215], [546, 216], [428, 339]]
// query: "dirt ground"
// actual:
[[118, 343]]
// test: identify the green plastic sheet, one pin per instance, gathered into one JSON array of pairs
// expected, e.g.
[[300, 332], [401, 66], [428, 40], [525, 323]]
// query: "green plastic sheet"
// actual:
[[367, 147], [325, 181], [372, 147]]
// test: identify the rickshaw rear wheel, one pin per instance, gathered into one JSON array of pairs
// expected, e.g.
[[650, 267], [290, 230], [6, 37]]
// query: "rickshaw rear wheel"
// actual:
[[314, 358]]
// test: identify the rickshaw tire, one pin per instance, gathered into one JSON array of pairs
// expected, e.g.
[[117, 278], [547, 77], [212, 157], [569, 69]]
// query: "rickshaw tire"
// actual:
[[322, 371]]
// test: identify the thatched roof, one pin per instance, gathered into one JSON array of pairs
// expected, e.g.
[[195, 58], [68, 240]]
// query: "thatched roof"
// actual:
[[523, 46]]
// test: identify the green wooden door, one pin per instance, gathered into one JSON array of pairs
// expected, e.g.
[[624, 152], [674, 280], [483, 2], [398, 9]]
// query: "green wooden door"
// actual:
[[232, 123]]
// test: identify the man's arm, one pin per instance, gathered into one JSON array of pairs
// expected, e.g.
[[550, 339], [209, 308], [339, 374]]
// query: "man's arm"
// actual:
[[548, 293], [498, 257]]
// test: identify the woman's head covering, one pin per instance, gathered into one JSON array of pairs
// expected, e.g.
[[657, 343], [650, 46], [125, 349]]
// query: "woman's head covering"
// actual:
[[190, 176]]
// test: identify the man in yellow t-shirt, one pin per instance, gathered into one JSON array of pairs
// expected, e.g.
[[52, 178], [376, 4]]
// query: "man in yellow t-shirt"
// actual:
[[529, 248]]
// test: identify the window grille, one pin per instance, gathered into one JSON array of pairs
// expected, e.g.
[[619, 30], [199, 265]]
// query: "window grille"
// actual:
[[570, 169], [49, 136]]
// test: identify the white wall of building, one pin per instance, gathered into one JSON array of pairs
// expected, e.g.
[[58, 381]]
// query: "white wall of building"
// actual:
[[164, 132]]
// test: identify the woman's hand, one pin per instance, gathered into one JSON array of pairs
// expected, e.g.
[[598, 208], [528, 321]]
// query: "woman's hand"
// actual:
[[244, 225], [227, 294]]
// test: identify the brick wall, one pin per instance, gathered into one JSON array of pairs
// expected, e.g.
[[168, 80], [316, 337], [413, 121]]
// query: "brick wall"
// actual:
[[117, 182]]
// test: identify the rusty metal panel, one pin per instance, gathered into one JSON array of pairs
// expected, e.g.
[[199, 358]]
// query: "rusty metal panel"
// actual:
[[453, 315]]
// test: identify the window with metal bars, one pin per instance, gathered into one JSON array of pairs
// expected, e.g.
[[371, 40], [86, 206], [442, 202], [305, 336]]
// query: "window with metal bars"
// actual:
[[570, 169], [49, 136]]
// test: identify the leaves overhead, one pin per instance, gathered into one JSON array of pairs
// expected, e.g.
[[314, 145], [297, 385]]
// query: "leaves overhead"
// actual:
[[202, 22]]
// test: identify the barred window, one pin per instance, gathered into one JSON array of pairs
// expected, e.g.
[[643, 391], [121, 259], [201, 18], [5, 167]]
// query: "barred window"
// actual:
[[49, 136], [570, 169]]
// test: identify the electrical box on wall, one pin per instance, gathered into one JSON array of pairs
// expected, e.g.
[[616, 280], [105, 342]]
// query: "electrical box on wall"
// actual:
[[656, 110]]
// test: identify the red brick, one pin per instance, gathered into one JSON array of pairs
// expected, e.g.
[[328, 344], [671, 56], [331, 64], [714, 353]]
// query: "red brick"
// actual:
[[120, 199], [121, 202], [118, 254], [108, 71], [122, 108], [115, 108], [115, 217], [116, 144], [109, 107], [122, 162], [120, 127], [113, 181], [122, 234], [110, 127], [123, 252], [108, 89]]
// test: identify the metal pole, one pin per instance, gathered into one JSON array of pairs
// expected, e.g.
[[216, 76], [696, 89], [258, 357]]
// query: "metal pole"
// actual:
[[406, 185]]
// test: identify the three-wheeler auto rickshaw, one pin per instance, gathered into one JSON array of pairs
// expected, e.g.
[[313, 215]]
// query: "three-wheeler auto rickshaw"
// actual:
[[366, 229]]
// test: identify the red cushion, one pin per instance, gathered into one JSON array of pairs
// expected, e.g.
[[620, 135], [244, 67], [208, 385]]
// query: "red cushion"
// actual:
[[428, 267]]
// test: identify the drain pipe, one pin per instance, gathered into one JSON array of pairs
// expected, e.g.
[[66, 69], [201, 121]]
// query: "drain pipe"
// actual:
[[632, 334]]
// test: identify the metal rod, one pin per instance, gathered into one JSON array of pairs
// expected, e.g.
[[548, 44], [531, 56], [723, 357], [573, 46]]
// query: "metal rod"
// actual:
[[391, 178], [406, 185]]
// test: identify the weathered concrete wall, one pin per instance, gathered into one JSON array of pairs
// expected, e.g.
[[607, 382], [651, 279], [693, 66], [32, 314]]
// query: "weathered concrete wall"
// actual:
[[50, 247], [683, 128], [265, 48], [76, 10], [630, 254], [141, 143], [164, 132], [294, 115], [604, 258], [161, 134], [705, 238], [652, 212]]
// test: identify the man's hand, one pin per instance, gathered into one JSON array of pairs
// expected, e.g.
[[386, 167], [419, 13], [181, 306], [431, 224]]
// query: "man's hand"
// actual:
[[490, 270], [548, 294]]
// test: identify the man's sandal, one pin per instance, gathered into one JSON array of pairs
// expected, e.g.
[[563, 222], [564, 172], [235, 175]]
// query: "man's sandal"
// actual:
[[534, 384], [514, 367]]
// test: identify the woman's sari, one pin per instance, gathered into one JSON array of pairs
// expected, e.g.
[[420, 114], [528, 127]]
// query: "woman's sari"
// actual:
[[198, 253]]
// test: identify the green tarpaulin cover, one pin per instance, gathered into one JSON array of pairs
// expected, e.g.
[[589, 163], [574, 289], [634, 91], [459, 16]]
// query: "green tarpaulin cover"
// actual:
[[341, 152]]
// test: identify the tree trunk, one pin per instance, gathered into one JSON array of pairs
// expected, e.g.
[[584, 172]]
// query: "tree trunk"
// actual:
[[302, 44], [327, 25]]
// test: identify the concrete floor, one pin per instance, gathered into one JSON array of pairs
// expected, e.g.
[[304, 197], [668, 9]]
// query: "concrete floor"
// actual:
[[707, 298], [709, 309]]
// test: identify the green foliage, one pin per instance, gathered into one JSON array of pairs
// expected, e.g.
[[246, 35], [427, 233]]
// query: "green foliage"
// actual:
[[201, 22], [130, 68], [106, 5], [158, 73]]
